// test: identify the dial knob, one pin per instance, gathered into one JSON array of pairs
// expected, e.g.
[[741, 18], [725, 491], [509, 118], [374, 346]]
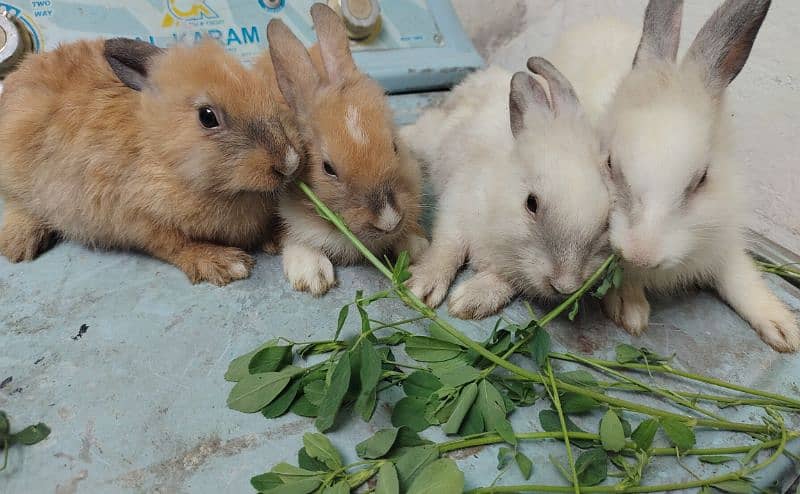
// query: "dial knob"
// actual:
[[362, 18], [15, 42]]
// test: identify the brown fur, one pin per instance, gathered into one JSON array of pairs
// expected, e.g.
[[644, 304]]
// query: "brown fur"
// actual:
[[85, 156], [322, 88]]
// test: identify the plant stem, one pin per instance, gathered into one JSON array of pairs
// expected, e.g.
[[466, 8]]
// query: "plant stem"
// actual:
[[492, 438], [666, 369], [557, 402], [670, 395]]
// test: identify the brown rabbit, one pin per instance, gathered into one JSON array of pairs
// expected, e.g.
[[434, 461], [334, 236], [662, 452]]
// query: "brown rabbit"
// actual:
[[179, 153], [356, 165]]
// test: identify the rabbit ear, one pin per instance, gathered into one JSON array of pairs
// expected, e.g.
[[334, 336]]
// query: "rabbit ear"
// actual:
[[130, 60], [334, 45], [723, 44], [562, 94], [296, 76], [526, 95], [661, 33]]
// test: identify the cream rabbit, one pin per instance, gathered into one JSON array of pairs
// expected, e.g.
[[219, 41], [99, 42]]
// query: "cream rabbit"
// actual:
[[521, 188]]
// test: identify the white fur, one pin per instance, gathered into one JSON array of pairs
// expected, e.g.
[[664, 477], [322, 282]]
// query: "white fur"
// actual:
[[307, 269], [664, 124], [482, 176], [292, 161], [388, 219], [353, 124]]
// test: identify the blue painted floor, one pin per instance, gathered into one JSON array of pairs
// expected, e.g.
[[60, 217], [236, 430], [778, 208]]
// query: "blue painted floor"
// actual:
[[137, 404]]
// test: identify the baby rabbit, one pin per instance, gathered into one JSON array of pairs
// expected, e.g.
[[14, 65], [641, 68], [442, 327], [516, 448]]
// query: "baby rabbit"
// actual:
[[355, 164], [522, 191], [677, 216], [178, 153]]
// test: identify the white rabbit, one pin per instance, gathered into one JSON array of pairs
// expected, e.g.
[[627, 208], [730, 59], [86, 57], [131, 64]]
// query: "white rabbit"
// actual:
[[677, 216], [521, 187]]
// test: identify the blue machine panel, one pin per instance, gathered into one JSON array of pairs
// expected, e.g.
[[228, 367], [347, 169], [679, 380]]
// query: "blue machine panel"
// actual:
[[420, 45]]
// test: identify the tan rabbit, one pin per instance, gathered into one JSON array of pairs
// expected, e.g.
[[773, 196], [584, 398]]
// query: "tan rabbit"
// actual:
[[355, 163], [118, 144]]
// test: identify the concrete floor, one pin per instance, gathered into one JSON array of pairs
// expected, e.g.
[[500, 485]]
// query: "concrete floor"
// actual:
[[764, 99]]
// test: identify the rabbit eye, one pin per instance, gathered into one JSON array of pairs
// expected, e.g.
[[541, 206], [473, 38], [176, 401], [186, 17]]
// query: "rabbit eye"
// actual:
[[394, 145], [208, 118], [608, 163], [532, 204], [329, 169]]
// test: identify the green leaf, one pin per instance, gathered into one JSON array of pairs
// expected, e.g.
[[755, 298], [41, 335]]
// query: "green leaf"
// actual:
[[550, 423], [626, 427], [410, 412], [440, 477], [302, 486], [627, 354], [437, 332], [31, 434], [458, 375], [343, 313], [256, 391], [320, 448], [370, 374], [238, 368], [716, 459], [5, 425], [388, 482], [265, 481], [334, 394], [539, 346], [408, 438], [315, 391], [578, 378], [425, 349], [612, 435], [463, 405], [494, 412], [592, 467], [304, 408], [323, 347], [412, 461], [281, 404], [270, 359], [378, 445], [341, 487], [473, 423], [644, 433], [421, 384], [504, 457], [306, 462], [679, 434], [734, 486], [291, 473], [525, 465], [577, 404]]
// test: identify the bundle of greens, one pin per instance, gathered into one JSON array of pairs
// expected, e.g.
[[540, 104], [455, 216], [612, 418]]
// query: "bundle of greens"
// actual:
[[470, 388]]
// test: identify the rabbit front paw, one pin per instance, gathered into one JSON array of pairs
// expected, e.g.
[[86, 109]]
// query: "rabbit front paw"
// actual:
[[428, 284], [628, 308], [215, 264], [481, 296], [777, 327], [22, 237], [308, 269]]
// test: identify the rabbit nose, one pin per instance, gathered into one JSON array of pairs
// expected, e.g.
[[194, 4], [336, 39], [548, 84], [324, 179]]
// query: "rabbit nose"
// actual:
[[289, 164], [564, 285], [388, 219]]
